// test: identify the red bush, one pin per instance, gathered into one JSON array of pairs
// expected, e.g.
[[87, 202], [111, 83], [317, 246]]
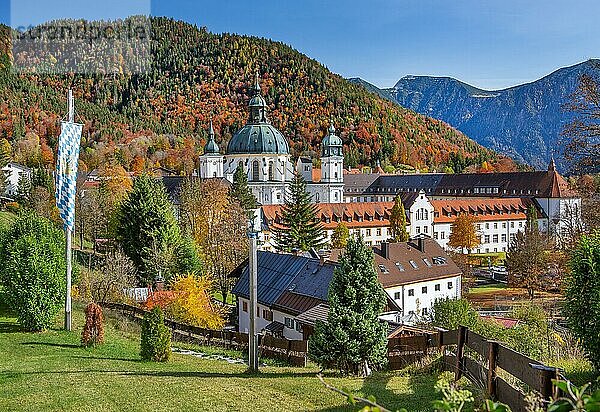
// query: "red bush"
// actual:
[[93, 331]]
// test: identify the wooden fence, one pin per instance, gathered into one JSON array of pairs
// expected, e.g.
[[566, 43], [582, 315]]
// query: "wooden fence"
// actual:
[[503, 372], [291, 351]]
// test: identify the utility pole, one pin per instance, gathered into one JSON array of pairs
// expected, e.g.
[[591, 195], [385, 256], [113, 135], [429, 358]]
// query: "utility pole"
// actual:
[[253, 275]]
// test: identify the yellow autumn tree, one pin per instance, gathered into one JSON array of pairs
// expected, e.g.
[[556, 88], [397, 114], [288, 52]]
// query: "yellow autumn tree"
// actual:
[[191, 302], [218, 224], [464, 233]]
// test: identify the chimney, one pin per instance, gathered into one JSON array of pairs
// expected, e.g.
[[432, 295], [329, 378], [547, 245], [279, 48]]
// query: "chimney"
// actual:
[[421, 244], [385, 250]]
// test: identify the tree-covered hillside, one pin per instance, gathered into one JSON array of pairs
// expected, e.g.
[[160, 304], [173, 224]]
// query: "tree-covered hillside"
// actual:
[[161, 117]]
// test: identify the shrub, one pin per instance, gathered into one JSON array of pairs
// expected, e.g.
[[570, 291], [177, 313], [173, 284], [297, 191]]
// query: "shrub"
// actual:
[[192, 303], [107, 284], [12, 207], [93, 331], [451, 313], [582, 306], [156, 337], [33, 270]]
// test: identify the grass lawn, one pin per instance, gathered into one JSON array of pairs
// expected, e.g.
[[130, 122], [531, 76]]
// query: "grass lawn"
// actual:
[[6, 218], [487, 289], [49, 371]]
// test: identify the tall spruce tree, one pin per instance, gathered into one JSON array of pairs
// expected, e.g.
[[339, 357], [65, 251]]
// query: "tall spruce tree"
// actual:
[[148, 231], [398, 221], [241, 192], [299, 228], [353, 339]]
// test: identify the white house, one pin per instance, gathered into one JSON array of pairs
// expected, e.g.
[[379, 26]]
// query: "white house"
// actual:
[[14, 172], [415, 274]]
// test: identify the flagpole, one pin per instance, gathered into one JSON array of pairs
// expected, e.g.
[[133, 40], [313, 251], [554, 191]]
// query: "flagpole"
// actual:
[[68, 234]]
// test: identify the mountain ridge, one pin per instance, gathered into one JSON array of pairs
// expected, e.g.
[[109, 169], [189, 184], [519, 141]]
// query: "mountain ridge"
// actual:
[[522, 121]]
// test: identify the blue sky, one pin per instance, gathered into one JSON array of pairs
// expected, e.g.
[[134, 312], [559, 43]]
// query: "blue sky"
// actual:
[[490, 44]]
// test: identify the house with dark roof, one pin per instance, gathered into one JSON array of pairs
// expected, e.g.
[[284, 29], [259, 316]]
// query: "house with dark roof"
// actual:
[[547, 189], [288, 285], [414, 275], [292, 292]]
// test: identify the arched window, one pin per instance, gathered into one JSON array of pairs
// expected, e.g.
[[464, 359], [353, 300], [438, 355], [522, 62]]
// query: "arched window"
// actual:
[[271, 171], [255, 171]]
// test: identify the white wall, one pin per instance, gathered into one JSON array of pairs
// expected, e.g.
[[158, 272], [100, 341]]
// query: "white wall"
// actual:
[[420, 302], [13, 172], [261, 322]]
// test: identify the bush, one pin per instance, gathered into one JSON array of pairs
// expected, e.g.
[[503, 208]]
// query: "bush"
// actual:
[[582, 306], [13, 207], [33, 270], [156, 337], [451, 313], [93, 331], [190, 302]]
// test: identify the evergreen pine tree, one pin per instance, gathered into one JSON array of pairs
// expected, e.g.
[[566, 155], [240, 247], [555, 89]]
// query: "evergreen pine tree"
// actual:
[[147, 229], [23, 190], [241, 192], [398, 221], [353, 339], [299, 228]]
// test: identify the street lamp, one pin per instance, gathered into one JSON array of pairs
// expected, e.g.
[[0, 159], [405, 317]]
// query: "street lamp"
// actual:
[[253, 276]]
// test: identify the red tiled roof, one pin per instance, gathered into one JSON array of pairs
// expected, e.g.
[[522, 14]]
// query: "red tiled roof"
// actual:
[[487, 209], [364, 210]]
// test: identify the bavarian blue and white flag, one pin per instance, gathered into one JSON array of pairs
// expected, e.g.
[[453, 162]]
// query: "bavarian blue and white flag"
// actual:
[[67, 158]]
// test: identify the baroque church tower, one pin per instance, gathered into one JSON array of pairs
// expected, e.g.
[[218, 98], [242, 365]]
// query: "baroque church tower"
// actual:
[[211, 162]]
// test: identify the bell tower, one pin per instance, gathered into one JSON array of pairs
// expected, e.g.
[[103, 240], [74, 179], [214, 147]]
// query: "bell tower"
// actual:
[[211, 162], [332, 158]]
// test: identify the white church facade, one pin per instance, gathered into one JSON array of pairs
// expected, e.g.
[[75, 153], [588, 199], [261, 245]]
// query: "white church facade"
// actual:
[[264, 153]]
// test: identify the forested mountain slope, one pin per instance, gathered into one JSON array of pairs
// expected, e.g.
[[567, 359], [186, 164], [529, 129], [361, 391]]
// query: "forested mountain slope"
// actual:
[[160, 117]]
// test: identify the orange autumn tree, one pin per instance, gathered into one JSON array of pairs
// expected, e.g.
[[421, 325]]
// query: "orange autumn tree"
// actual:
[[464, 233], [189, 302]]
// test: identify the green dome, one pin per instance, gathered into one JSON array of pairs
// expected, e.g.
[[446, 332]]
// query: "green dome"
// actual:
[[257, 139], [258, 136]]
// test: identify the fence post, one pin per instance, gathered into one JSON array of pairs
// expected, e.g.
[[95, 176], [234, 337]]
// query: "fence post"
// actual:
[[460, 350], [492, 360], [546, 374]]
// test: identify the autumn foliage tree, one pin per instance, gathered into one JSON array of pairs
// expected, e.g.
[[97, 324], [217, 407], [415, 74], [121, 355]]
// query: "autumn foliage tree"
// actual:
[[528, 257], [192, 302], [218, 225], [398, 222], [339, 238], [463, 233]]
